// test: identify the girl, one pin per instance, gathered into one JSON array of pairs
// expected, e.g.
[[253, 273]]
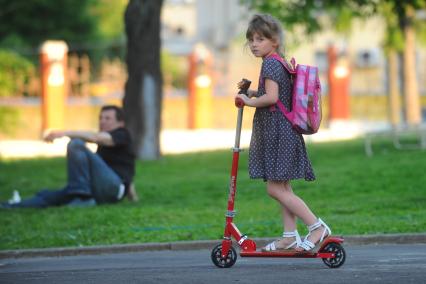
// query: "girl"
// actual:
[[277, 152]]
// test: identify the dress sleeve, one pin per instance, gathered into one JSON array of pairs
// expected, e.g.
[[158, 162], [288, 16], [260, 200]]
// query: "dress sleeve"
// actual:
[[272, 69]]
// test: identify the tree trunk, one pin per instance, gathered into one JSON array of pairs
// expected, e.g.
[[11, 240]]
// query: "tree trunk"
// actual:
[[394, 92], [412, 98], [143, 91]]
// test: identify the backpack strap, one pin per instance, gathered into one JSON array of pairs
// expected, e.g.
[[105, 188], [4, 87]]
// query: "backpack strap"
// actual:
[[290, 67], [292, 70], [282, 108]]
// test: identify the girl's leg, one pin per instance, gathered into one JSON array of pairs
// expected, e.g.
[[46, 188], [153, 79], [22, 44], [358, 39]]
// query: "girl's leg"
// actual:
[[289, 225], [291, 203], [283, 193], [289, 220]]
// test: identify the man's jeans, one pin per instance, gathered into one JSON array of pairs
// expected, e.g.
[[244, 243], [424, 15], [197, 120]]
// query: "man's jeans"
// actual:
[[88, 176]]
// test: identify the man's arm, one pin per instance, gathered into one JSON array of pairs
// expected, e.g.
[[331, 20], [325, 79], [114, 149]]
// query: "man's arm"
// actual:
[[100, 138]]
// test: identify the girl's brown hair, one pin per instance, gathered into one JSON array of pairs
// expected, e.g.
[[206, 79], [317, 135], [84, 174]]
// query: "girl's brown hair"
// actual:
[[267, 26]]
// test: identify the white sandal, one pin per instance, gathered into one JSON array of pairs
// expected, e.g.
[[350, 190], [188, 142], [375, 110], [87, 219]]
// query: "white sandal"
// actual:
[[307, 245], [293, 245]]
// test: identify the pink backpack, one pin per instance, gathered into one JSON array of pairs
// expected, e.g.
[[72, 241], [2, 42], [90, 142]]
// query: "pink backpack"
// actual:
[[305, 115]]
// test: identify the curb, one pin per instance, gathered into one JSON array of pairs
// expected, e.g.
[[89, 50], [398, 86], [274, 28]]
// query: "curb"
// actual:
[[196, 245]]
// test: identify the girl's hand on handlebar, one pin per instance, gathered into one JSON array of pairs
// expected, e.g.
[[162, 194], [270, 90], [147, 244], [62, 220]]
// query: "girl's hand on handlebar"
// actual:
[[243, 98], [251, 93]]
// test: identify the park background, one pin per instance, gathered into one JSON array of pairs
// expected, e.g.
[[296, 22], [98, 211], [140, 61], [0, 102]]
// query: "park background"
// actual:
[[366, 195]]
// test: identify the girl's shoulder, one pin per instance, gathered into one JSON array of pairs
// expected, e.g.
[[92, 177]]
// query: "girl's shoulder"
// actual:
[[272, 65], [270, 61]]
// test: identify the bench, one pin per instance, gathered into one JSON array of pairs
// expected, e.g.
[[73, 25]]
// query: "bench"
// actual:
[[396, 133]]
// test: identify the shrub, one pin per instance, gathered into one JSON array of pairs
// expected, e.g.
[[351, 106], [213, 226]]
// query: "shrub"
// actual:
[[15, 71], [175, 70]]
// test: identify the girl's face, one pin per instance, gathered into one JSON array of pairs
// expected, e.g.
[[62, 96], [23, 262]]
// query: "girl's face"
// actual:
[[261, 46]]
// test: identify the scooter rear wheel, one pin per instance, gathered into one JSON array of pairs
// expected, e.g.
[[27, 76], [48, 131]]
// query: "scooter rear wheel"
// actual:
[[223, 262], [340, 255]]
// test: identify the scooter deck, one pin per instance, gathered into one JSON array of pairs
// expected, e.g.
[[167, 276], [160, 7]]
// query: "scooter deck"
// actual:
[[317, 253], [287, 254]]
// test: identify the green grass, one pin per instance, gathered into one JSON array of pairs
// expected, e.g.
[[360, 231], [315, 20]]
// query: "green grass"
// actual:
[[183, 197]]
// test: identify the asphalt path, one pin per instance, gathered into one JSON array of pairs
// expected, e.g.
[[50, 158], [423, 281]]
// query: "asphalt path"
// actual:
[[364, 264]]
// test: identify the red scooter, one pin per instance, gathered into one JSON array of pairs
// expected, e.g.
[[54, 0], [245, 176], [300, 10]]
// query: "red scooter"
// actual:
[[224, 255]]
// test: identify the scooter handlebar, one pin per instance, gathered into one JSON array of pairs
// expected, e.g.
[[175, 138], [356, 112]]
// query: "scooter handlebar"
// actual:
[[243, 85], [239, 103]]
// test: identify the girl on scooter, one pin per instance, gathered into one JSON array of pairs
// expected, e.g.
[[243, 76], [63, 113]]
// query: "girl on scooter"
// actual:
[[277, 152]]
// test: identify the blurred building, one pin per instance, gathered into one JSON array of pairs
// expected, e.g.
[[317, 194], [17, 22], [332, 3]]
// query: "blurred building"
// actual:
[[187, 22], [220, 25], [217, 23]]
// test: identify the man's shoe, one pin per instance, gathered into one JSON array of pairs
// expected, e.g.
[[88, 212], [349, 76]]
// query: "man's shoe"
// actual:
[[16, 198]]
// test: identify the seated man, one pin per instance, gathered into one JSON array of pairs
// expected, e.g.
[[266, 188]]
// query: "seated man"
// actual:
[[93, 178]]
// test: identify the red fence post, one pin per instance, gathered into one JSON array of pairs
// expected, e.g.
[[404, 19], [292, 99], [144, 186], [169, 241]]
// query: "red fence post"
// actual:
[[200, 88], [53, 67], [338, 86]]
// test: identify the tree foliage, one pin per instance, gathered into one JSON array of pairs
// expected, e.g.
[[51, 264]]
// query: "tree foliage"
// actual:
[[15, 71], [397, 18], [109, 16], [29, 23], [402, 21], [308, 15]]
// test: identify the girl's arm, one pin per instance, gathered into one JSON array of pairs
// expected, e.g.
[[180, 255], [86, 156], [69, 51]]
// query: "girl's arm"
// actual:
[[251, 93], [269, 98]]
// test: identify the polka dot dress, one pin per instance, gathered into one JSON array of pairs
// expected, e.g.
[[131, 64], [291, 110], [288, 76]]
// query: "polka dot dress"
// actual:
[[277, 152]]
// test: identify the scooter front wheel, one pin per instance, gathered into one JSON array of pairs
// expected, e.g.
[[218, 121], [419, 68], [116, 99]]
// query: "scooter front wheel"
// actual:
[[223, 262], [339, 255]]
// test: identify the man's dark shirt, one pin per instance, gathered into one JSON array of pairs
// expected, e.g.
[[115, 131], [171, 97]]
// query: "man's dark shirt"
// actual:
[[120, 157]]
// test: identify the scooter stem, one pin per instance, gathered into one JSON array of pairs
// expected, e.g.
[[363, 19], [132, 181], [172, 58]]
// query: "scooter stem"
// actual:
[[234, 170], [238, 131], [244, 85], [230, 228]]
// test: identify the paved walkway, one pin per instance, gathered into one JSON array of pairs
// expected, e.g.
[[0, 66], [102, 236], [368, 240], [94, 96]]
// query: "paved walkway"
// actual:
[[390, 264], [419, 238]]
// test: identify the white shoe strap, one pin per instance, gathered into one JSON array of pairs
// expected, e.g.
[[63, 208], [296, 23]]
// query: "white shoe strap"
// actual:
[[270, 247], [318, 224], [292, 235], [315, 226], [326, 231], [307, 245]]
